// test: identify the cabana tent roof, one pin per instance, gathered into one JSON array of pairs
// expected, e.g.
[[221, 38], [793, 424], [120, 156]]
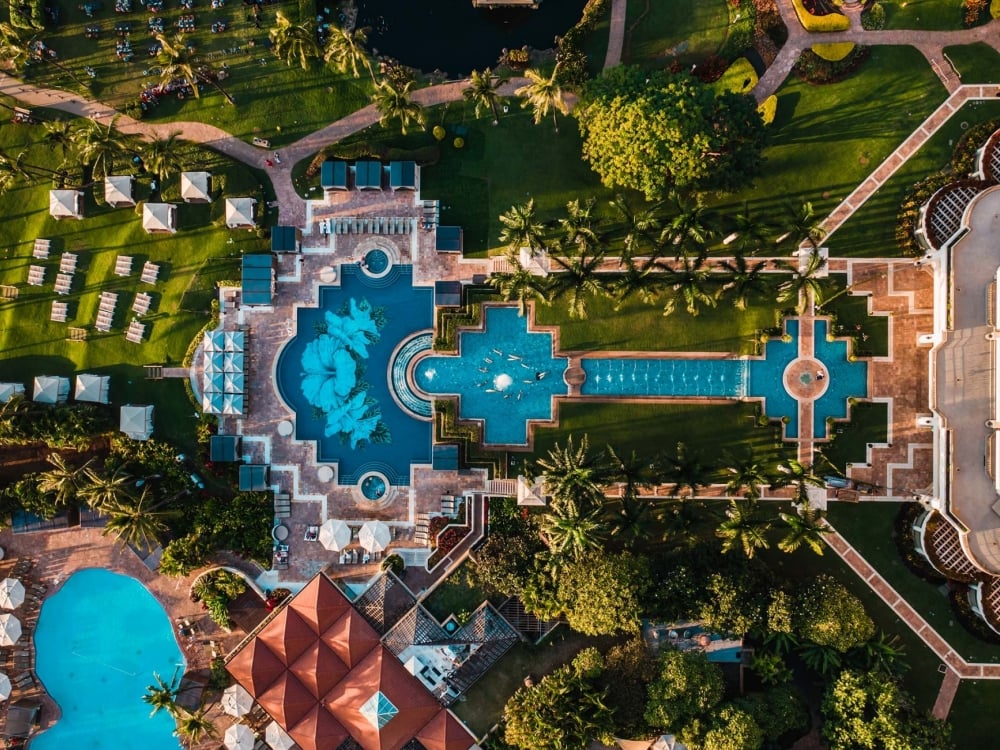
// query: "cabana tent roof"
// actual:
[[283, 240], [448, 239], [333, 175], [195, 187], [253, 478], [257, 279], [66, 204], [239, 213], [368, 175], [403, 175], [51, 389], [118, 190], [137, 421], [93, 388], [9, 390], [159, 217], [224, 448]]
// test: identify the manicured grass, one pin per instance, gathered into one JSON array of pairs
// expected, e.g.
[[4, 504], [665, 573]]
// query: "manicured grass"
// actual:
[[868, 424], [972, 713], [827, 139], [976, 63], [928, 15], [455, 595], [640, 327], [709, 429], [870, 230], [191, 262], [658, 31], [868, 527], [273, 100], [871, 333]]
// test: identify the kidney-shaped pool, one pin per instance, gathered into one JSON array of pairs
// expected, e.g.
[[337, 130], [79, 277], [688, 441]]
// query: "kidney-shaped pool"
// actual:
[[98, 641]]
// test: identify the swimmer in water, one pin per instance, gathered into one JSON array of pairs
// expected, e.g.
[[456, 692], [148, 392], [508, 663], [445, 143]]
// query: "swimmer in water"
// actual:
[[513, 358], [488, 360], [498, 352], [483, 369]]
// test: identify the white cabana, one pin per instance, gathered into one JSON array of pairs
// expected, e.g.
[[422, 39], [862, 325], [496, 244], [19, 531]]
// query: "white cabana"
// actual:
[[118, 191], [137, 421], [11, 593], [159, 217], [277, 738], [236, 701], [9, 390], [374, 536], [66, 204], [239, 737], [239, 213], [50, 389], [531, 493], [5, 687], [10, 629], [196, 187], [334, 535], [93, 388], [232, 403], [233, 341]]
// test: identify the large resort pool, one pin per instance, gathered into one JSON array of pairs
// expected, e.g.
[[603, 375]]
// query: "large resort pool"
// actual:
[[98, 642]]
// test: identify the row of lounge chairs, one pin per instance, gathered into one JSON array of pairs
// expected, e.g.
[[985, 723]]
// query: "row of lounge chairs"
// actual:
[[106, 311], [376, 225]]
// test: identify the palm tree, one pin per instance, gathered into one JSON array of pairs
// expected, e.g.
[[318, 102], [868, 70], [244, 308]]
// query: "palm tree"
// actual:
[[805, 527], [483, 92], [745, 528], [13, 414], [750, 232], [792, 472], [164, 156], [21, 51], [178, 60], [684, 469], [800, 225], [543, 95], [104, 489], [745, 281], [689, 282], [825, 660], [745, 473], [18, 167], [575, 279], [643, 283], [162, 695], [579, 227], [521, 285], [692, 222], [521, 228], [58, 135], [62, 480], [569, 531], [100, 146], [882, 654], [805, 282], [573, 473], [194, 727], [294, 41], [631, 473], [395, 104], [633, 520], [346, 49], [641, 228], [137, 521]]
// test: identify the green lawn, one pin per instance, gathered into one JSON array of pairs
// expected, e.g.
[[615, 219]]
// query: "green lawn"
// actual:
[[455, 595], [658, 31], [827, 139], [851, 311], [870, 230], [976, 63], [868, 527], [972, 718], [869, 424], [929, 15], [191, 261]]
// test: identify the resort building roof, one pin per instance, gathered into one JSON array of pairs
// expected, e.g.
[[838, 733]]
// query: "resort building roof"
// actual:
[[258, 279]]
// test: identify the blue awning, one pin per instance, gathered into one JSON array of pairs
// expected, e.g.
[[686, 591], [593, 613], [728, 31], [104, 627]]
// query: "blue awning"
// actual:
[[257, 279], [333, 175], [368, 175], [223, 448], [283, 240], [253, 478], [447, 293], [403, 175], [448, 240]]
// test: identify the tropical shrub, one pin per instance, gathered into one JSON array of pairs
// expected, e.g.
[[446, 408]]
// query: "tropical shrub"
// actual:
[[830, 22], [740, 78], [974, 11], [834, 52], [873, 17], [814, 69], [28, 14], [215, 590]]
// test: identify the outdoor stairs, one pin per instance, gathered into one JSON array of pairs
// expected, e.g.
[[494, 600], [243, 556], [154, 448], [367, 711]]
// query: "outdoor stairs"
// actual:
[[282, 505], [154, 372], [421, 534], [502, 487]]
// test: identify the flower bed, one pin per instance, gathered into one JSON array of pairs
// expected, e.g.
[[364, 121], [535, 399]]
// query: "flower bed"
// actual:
[[807, 10]]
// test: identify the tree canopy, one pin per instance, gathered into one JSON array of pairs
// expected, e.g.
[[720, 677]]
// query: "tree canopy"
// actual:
[[600, 593], [653, 131], [830, 615], [687, 688]]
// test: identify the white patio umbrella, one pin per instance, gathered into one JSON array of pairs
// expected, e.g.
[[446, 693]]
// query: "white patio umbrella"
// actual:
[[10, 629], [11, 593], [4, 687], [236, 701], [334, 535], [277, 738], [239, 737], [374, 536]]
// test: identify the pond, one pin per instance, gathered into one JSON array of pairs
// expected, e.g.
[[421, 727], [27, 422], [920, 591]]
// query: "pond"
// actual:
[[454, 37]]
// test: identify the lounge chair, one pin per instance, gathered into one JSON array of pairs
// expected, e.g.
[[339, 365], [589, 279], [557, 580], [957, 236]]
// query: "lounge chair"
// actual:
[[36, 275], [59, 311], [41, 249], [150, 272], [67, 263], [123, 265], [141, 304], [63, 283]]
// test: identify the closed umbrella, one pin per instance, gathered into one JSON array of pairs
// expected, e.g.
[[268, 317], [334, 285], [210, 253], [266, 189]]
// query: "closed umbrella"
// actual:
[[11, 593], [334, 535], [10, 629], [374, 536], [239, 737], [4, 687], [277, 738], [236, 701]]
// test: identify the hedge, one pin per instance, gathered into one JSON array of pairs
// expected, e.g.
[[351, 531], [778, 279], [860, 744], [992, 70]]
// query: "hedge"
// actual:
[[995, 9], [740, 78], [830, 22], [833, 52], [28, 15], [768, 109]]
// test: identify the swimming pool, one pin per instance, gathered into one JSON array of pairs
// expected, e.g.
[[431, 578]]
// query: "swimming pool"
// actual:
[[719, 378], [98, 641]]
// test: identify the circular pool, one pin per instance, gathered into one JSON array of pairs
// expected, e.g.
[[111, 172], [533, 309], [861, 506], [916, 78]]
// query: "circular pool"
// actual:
[[374, 486], [376, 263], [98, 642]]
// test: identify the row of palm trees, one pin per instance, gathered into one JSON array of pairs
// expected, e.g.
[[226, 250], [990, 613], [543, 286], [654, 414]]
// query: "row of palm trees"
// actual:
[[192, 726], [663, 256], [580, 516]]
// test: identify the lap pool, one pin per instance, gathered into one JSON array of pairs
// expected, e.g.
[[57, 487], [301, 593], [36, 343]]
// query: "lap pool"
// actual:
[[98, 641]]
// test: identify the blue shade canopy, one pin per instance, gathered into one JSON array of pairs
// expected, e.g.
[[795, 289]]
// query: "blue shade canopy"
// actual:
[[257, 279], [333, 176]]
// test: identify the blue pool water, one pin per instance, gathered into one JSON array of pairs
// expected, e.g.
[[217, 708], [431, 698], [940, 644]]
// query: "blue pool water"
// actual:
[[503, 375], [405, 310], [373, 487], [376, 261], [717, 378], [847, 379], [767, 379], [98, 641]]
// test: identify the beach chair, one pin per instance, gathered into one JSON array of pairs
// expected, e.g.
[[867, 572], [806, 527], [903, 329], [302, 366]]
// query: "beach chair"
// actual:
[[150, 272], [41, 249], [67, 263], [123, 265], [36, 275], [63, 283], [59, 311], [141, 304]]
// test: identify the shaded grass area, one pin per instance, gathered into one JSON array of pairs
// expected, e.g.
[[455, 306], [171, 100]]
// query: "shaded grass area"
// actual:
[[849, 443], [827, 139], [870, 231], [456, 595], [973, 711], [709, 429], [869, 527], [870, 333], [657, 32], [273, 100], [976, 63], [640, 327], [929, 15], [191, 262]]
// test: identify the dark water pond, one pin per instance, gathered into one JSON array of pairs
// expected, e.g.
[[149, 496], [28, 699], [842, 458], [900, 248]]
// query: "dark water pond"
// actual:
[[452, 36]]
